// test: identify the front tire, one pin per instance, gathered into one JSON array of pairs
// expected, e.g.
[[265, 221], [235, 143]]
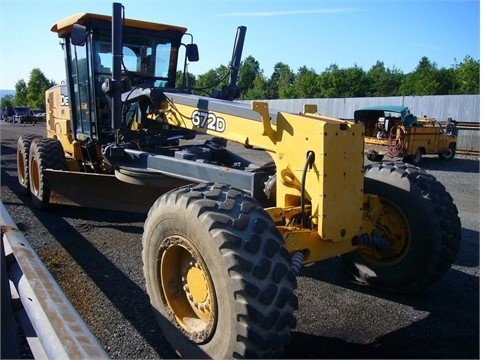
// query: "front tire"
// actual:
[[417, 157], [45, 153], [420, 222], [217, 274], [414, 159]]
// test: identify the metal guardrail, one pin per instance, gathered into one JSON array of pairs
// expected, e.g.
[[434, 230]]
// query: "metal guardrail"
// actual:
[[59, 331]]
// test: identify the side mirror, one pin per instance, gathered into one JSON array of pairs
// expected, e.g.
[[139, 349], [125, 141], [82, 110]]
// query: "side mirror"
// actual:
[[192, 52], [78, 35]]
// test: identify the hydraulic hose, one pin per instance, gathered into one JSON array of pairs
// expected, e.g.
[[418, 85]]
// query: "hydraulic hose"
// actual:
[[296, 262], [396, 141], [310, 159]]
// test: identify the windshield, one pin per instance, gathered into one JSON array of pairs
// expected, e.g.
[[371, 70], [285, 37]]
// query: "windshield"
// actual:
[[149, 56], [22, 110]]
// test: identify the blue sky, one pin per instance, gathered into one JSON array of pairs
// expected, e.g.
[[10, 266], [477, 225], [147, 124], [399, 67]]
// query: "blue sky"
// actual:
[[312, 33]]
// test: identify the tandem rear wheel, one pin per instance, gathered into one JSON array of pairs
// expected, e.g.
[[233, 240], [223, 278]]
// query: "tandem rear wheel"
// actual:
[[44, 153], [23, 148]]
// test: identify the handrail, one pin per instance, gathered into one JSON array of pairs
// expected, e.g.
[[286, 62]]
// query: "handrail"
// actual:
[[61, 331]]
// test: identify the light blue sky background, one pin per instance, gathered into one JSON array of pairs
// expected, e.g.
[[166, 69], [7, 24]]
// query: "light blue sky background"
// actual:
[[312, 33]]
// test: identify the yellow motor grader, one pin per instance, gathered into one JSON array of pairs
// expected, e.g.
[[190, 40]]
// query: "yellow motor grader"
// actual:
[[225, 238]]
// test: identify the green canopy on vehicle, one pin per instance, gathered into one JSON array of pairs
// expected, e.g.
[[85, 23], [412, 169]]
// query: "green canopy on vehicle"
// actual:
[[371, 114]]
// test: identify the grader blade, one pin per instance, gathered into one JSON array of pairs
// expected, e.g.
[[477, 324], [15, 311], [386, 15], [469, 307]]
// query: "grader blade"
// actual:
[[103, 191]]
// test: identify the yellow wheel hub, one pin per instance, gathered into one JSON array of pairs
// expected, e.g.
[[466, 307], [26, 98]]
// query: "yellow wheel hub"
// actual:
[[390, 222], [21, 167], [35, 176], [187, 288]]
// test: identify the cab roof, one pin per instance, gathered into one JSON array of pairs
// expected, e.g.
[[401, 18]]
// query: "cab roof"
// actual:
[[63, 27]]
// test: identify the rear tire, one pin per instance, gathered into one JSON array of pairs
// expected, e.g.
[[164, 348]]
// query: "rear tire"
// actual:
[[45, 153], [217, 274], [420, 222], [23, 149], [449, 154]]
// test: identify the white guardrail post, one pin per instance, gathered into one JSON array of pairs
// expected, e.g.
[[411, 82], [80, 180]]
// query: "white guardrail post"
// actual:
[[59, 329]]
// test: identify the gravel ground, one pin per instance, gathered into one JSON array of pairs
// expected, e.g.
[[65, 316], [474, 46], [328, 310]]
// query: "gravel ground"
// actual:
[[95, 255]]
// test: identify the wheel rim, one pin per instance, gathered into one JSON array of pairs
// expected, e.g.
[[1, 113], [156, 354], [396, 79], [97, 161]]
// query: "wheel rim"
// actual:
[[187, 288], [34, 176], [394, 229], [447, 154], [21, 167]]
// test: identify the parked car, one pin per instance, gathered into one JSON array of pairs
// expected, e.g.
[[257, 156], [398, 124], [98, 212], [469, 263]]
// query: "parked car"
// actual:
[[38, 114], [19, 114]]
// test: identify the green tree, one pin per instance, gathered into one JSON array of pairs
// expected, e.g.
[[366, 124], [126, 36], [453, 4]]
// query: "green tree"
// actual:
[[190, 80], [212, 80], [21, 92], [447, 83], [280, 84], [467, 76], [248, 72], [382, 81], [336, 82], [257, 91], [6, 100], [331, 82], [423, 81], [287, 92], [36, 87], [354, 82], [306, 83]]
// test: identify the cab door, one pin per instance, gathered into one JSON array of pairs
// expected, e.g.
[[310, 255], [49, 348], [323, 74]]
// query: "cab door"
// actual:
[[79, 80]]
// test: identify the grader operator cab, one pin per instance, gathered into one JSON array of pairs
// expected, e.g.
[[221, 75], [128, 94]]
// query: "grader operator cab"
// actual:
[[224, 237]]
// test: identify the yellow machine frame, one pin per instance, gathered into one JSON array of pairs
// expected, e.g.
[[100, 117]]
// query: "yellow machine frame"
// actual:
[[334, 182]]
